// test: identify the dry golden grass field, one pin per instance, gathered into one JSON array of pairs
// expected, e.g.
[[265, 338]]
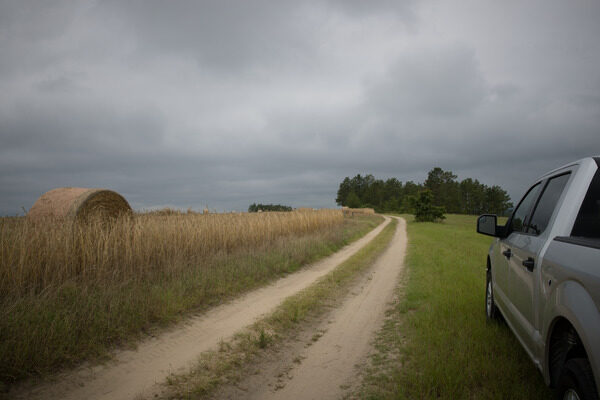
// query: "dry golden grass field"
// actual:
[[71, 291], [36, 255]]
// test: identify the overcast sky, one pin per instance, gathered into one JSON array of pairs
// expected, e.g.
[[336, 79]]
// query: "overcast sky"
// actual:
[[226, 103]]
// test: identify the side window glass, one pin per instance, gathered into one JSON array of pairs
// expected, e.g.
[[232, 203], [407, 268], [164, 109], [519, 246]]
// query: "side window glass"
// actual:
[[519, 219], [587, 224], [547, 203]]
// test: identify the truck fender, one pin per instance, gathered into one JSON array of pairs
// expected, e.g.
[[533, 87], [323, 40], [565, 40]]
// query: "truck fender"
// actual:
[[570, 300]]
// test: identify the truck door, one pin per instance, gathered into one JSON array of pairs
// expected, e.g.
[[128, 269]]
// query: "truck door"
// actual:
[[516, 240], [526, 245]]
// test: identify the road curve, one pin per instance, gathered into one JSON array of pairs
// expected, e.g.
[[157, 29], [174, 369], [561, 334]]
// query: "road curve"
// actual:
[[328, 366]]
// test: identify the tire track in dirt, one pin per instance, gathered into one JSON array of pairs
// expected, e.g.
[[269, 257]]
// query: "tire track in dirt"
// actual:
[[328, 367], [136, 372]]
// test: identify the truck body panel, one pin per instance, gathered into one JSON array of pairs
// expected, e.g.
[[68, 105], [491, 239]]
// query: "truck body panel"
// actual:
[[544, 269]]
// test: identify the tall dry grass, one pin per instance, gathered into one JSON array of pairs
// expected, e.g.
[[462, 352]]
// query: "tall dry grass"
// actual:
[[38, 255], [71, 292]]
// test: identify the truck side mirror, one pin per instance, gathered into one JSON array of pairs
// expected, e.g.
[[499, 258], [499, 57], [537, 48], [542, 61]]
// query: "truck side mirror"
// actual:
[[487, 225]]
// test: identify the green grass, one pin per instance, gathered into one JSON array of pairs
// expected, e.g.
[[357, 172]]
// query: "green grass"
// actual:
[[60, 327], [231, 361], [436, 342]]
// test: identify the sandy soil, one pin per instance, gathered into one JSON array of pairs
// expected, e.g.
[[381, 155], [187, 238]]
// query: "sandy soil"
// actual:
[[326, 368], [136, 373]]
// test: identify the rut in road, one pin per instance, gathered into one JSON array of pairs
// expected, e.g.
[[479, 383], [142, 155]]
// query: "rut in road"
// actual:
[[328, 367], [136, 372]]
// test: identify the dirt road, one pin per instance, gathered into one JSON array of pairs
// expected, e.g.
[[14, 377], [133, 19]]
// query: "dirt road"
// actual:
[[327, 367], [136, 372]]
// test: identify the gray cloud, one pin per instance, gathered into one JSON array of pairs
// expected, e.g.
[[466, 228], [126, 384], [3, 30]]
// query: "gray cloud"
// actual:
[[430, 83], [222, 104]]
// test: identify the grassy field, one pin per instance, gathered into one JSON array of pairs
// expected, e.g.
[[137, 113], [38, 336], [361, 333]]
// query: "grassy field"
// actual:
[[436, 342], [72, 292]]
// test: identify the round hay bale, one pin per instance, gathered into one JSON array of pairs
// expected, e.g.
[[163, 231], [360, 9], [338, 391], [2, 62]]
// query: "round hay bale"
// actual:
[[79, 203]]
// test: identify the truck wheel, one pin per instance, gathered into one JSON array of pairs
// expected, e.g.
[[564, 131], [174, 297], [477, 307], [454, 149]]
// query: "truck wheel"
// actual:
[[491, 311], [576, 381]]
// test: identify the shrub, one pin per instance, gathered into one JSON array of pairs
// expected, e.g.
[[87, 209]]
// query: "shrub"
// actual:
[[425, 211]]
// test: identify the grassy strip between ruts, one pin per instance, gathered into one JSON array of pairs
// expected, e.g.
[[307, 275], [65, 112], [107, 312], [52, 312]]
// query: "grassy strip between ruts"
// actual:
[[58, 328], [228, 363], [436, 342]]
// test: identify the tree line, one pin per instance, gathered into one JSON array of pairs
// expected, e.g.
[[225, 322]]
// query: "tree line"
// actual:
[[268, 207], [468, 196]]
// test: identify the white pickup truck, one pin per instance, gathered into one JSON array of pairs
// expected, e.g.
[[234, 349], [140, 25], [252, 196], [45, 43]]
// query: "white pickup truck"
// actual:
[[543, 276]]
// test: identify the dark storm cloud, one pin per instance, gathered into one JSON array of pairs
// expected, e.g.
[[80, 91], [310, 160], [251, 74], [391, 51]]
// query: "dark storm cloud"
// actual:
[[225, 103], [221, 35], [232, 35]]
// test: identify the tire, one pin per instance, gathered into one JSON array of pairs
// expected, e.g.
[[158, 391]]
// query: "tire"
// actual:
[[576, 381], [491, 311]]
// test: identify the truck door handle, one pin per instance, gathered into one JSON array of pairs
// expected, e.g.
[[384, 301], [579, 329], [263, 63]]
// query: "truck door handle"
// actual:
[[529, 263], [507, 253]]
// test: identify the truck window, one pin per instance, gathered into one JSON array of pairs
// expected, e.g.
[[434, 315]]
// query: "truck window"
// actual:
[[587, 224], [521, 214], [547, 203]]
